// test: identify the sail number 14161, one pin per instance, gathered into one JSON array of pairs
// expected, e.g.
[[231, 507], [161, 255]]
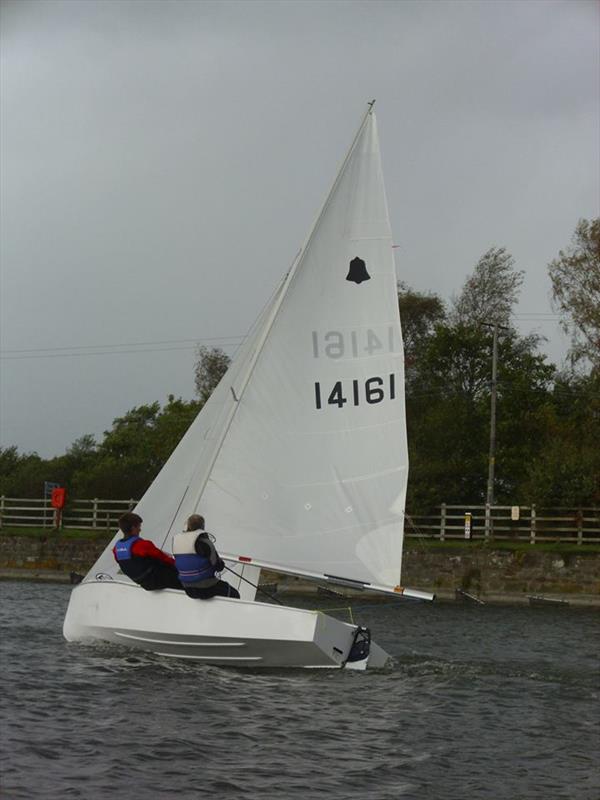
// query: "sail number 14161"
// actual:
[[360, 343], [371, 391]]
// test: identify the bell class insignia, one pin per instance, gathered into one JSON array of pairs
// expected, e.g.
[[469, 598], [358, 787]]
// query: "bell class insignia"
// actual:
[[358, 271]]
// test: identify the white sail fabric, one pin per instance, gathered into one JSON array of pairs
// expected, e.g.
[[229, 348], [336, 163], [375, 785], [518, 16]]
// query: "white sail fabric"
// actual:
[[173, 495], [323, 489], [300, 456]]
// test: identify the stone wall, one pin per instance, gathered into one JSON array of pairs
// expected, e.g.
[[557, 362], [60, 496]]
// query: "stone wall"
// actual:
[[484, 571], [50, 552], [481, 571]]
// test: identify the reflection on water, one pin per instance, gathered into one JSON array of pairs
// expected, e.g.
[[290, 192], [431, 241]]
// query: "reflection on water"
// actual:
[[481, 702]]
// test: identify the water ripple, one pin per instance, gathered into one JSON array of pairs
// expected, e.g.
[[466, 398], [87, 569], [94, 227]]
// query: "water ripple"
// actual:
[[479, 703]]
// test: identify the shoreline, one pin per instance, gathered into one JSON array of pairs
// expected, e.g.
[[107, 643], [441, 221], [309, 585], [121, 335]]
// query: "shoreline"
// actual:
[[306, 589]]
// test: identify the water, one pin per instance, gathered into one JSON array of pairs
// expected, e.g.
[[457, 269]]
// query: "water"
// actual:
[[482, 702]]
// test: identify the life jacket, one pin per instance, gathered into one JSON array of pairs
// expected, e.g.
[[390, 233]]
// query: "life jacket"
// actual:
[[123, 548], [193, 569], [135, 567]]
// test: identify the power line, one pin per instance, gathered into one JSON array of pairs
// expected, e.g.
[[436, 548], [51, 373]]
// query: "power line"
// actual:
[[104, 353], [95, 350], [120, 344]]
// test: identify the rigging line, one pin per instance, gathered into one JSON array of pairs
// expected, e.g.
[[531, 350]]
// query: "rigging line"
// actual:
[[256, 586], [420, 536]]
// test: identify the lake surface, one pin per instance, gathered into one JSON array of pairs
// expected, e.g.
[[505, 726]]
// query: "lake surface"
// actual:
[[482, 702]]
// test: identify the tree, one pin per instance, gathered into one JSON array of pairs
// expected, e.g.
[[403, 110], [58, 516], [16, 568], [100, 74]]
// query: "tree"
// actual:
[[566, 469], [134, 451], [22, 475], [448, 415], [82, 448], [171, 425], [210, 367], [419, 314], [490, 293], [9, 460], [575, 277], [126, 462]]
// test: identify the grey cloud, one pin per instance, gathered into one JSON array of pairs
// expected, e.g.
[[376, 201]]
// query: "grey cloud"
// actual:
[[162, 163]]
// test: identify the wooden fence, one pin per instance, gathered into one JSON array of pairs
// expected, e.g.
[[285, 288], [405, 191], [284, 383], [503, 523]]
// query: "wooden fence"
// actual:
[[97, 514], [574, 525], [445, 522]]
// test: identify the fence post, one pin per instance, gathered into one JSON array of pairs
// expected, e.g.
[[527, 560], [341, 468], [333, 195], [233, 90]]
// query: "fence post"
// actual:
[[95, 513], [579, 526], [1, 510], [443, 523], [532, 525], [488, 520]]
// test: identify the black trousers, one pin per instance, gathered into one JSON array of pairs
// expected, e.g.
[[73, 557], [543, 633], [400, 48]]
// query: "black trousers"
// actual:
[[162, 576], [221, 589]]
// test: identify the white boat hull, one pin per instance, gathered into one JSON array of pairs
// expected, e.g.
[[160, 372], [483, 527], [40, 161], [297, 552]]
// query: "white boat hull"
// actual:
[[220, 631]]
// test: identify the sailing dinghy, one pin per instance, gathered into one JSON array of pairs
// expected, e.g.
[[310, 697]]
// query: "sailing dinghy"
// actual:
[[298, 460]]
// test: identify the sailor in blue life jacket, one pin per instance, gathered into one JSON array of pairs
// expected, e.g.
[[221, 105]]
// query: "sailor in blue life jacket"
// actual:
[[141, 560], [198, 562]]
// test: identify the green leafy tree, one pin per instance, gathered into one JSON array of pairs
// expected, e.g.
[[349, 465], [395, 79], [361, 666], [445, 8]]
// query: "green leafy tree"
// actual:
[[575, 277], [82, 449], [211, 365], [448, 412], [566, 468], [134, 451], [419, 314], [490, 293], [171, 425], [9, 461], [21, 475]]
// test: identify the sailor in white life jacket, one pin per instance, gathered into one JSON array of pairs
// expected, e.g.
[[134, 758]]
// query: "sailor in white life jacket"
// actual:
[[197, 562]]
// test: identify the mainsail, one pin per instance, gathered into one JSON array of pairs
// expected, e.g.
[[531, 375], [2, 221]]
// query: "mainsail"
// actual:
[[300, 458]]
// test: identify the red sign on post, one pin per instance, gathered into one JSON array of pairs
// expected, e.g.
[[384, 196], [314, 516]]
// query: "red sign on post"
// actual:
[[58, 498]]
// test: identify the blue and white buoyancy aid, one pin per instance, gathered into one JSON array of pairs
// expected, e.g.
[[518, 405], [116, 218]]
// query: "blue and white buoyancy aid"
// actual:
[[138, 568], [123, 548], [194, 569]]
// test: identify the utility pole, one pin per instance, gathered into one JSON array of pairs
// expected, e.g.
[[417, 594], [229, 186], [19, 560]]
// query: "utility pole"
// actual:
[[492, 457]]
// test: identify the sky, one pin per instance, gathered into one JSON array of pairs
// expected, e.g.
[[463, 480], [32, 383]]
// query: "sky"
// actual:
[[162, 163]]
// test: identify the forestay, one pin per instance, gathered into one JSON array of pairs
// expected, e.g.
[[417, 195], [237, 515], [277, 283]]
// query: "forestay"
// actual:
[[300, 457]]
